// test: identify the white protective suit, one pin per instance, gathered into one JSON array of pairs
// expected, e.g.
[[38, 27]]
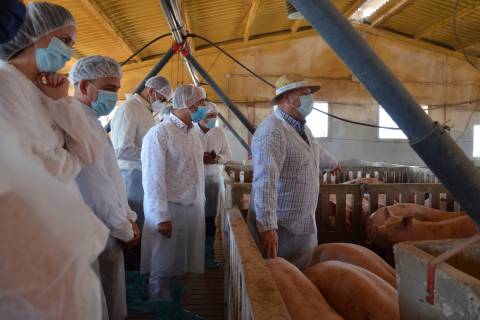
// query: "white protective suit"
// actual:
[[47, 126], [214, 140], [130, 123], [49, 239], [103, 189], [173, 180]]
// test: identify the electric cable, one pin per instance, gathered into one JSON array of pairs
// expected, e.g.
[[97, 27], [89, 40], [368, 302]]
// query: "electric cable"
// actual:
[[273, 86], [144, 47]]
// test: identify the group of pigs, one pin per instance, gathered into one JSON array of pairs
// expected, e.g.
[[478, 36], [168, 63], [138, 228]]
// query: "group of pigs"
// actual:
[[348, 281], [344, 281]]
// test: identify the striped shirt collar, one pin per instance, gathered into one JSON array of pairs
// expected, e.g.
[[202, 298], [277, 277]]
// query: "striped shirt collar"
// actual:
[[299, 126]]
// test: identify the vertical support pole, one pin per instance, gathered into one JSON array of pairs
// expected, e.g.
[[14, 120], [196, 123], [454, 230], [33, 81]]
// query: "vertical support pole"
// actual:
[[229, 103], [428, 139]]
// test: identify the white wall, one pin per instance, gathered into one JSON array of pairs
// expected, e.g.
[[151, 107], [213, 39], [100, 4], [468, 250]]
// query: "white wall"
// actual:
[[352, 142]]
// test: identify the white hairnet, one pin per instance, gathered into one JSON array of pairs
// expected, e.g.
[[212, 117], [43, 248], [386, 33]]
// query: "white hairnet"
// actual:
[[41, 19], [186, 96], [204, 93], [94, 67], [212, 107], [161, 85]]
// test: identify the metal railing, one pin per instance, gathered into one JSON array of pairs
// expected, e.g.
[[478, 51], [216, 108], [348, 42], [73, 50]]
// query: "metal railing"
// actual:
[[250, 291]]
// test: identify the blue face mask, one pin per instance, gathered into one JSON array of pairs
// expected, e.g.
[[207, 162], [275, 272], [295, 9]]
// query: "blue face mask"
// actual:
[[306, 105], [54, 57], [200, 114], [211, 123], [105, 102]]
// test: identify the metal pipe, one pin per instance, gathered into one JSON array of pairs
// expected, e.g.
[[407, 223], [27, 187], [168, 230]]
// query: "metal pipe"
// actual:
[[156, 69], [235, 133], [429, 140], [220, 93], [178, 17], [174, 28]]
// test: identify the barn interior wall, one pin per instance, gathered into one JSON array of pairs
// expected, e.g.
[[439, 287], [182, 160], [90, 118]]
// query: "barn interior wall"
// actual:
[[434, 78]]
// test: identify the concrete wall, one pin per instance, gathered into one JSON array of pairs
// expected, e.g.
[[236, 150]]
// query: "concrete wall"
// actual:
[[432, 77]]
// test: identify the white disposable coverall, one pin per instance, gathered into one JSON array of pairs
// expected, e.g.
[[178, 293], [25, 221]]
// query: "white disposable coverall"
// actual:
[[173, 180], [130, 123], [49, 239], [214, 140], [46, 126], [103, 189]]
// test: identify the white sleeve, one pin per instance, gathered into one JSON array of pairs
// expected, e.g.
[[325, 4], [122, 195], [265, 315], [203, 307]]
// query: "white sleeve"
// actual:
[[82, 142], [225, 154], [154, 153], [124, 135], [98, 191]]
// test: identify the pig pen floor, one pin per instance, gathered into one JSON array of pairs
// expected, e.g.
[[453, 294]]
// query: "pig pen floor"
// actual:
[[207, 292]]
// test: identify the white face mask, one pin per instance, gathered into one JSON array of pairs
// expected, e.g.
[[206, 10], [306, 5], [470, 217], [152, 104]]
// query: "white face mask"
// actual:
[[158, 106]]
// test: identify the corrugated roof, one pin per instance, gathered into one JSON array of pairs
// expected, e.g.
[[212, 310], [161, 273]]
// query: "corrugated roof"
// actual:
[[119, 27]]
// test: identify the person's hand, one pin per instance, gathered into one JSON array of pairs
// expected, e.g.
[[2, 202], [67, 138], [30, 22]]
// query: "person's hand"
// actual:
[[53, 85], [165, 229], [270, 243], [208, 158], [337, 170], [136, 236]]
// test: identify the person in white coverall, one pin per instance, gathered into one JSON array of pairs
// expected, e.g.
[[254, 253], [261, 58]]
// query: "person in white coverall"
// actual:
[[96, 80], [173, 180], [34, 97], [216, 152], [129, 125], [287, 161], [50, 239]]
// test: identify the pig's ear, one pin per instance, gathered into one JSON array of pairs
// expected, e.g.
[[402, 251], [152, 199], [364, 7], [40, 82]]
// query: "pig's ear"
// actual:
[[387, 213], [407, 221]]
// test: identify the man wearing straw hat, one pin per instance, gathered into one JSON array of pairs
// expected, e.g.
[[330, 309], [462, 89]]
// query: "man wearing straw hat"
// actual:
[[287, 162]]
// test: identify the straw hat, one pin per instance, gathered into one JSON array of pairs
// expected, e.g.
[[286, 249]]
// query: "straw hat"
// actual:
[[290, 82]]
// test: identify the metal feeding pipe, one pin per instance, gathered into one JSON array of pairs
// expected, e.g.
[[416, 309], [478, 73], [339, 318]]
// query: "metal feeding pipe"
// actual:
[[429, 139]]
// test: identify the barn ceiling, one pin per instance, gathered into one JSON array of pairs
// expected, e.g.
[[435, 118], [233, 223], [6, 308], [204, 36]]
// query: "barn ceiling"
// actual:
[[120, 27]]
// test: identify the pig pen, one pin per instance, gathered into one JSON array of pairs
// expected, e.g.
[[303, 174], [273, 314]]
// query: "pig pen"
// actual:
[[454, 288], [335, 225], [250, 291]]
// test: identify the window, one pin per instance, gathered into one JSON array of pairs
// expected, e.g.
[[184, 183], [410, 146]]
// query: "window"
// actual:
[[317, 121], [476, 141], [384, 120]]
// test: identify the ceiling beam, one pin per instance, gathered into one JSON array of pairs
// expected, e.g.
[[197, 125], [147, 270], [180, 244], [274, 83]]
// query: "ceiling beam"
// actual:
[[104, 21], [252, 13], [390, 12], [353, 8], [446, 21], [296, 25], [468, 43]]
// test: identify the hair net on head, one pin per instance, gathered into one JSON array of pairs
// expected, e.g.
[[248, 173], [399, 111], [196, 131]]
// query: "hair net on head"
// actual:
[[94, 67], [186, 96], [212, 107], [41, 19], [204, 93], [161, 85]]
